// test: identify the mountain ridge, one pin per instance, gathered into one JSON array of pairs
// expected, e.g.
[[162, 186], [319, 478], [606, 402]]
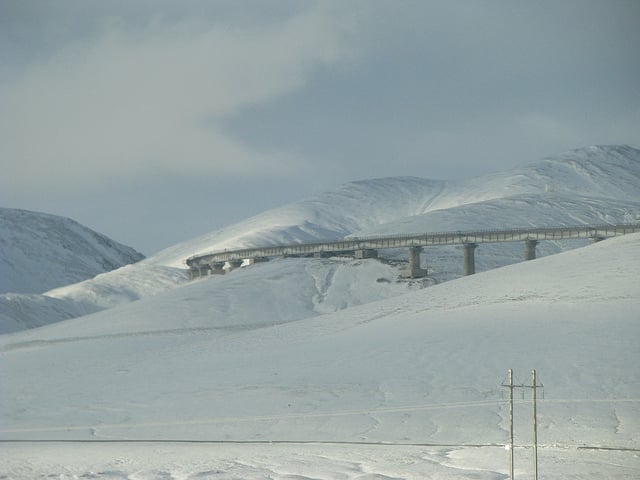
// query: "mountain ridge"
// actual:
[[313, 352], [41, 251], [519, 197], [364, 206]]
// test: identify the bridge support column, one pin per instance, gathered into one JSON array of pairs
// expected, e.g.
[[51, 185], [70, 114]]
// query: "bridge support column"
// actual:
[[470, 258], [414, 270], [233, 264], [366, 253], [530, 249], [217, 268]]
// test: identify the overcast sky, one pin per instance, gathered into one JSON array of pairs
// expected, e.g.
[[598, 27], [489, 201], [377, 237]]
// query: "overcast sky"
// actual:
[[156, 121]]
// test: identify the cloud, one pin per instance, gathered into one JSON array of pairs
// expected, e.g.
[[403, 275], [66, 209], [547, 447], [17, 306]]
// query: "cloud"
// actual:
[[131, 102], [545, 127]]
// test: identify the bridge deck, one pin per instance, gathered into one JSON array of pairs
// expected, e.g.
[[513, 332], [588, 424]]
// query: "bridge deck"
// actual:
[[416, 240]]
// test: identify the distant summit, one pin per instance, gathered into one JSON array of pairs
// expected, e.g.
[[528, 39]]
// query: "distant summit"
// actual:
[[39, 252], [612, 152], [610, 171], [590, 185], [587, 186]]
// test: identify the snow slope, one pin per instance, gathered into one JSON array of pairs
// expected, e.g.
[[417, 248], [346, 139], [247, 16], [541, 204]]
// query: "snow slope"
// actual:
[[342, 350], [423, 367], [598, 175], [39, 252], [585, 186]]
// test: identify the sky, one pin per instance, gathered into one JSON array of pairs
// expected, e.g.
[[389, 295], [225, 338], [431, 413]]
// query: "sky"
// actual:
[[156, 121]]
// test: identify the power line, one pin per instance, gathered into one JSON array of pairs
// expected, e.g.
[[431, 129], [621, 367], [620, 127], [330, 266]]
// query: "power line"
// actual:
[[308, 442]]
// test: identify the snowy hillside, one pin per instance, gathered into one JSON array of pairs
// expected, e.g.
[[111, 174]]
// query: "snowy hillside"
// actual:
[[39, 252], [571, 188], [424, 367], [344, 350], [355, 206], [593, 185], [524, 196]]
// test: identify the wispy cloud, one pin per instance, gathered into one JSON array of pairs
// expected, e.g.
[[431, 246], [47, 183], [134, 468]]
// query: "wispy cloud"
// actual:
[[131, 102]]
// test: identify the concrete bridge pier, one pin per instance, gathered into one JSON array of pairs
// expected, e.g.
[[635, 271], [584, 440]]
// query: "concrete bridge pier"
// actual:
[[233, 264], [470, 258], [366, 253], [216, 268], [530, 249], [415, 271]]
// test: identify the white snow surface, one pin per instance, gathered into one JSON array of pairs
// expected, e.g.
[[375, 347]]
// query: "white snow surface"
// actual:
[[423, 367], [39, 252], [593, 185], [574, 188], [280, 354]]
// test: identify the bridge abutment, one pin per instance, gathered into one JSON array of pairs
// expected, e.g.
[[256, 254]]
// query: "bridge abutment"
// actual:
[[530, 249], [206, 270], [197, 272], [470, 258]]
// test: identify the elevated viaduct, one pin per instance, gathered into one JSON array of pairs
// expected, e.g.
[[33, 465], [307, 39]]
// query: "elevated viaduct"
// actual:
[[367, 247]]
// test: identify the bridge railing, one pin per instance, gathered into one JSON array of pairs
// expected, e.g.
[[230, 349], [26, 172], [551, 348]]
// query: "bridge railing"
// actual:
[[418, 239]]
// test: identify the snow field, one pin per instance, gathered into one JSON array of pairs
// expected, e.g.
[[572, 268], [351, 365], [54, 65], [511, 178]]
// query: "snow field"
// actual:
[[307, 351], [140, 461], [424, 367]]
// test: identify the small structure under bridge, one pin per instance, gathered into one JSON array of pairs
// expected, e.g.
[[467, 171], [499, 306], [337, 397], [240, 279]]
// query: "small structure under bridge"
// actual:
[[367, 247]]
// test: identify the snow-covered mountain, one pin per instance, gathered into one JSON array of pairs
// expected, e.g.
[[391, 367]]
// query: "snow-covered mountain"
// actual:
[[344, 350], [39, 252], [598, 184], [420, 372], [592, 185]]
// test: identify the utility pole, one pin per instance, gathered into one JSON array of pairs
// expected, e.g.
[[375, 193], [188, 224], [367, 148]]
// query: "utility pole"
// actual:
[[510, 385], [535, 425], [533, 387]]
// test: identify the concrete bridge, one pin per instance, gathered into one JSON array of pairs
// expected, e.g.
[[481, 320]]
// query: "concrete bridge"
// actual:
[[367, 247]]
